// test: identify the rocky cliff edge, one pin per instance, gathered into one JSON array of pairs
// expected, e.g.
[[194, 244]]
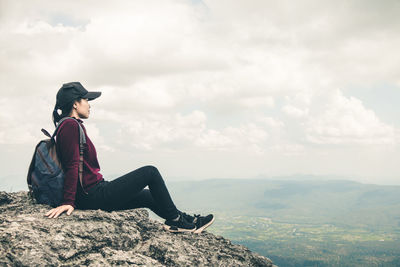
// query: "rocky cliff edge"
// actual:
[[100, 238]]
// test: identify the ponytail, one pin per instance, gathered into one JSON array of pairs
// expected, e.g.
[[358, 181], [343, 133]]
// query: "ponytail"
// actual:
[[65, 111], [56, 116]]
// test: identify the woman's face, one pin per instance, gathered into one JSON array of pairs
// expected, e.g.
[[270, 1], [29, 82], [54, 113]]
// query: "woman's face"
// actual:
[[82, 108]]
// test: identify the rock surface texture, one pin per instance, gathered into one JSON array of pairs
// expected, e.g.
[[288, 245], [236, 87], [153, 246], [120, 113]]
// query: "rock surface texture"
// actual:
[[100, 238]]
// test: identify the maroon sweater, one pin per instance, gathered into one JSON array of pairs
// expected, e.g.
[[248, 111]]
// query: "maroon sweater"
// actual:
[[67, 139]]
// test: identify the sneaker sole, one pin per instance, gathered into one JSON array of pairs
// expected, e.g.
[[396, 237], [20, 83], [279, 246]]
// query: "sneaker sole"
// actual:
[[178, 230], [198, 231]]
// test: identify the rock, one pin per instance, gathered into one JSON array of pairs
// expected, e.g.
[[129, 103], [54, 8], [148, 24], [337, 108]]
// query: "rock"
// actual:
[[100, 238]]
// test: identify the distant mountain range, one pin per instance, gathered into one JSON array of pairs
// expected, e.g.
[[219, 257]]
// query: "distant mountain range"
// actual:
[[308, 201], [336, 202]]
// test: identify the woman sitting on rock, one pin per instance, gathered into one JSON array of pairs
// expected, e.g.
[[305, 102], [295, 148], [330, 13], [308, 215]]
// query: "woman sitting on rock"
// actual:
[[125, 192]]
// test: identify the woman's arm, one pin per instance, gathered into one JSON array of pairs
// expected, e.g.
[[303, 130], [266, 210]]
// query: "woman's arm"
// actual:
[[68, 149]]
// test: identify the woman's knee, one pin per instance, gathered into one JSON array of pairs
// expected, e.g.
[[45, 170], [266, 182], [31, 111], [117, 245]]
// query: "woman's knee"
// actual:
[[151, 169], [154, 175], [152, 172]]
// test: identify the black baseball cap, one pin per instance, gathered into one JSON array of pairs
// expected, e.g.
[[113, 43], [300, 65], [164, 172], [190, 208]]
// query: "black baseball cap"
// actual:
[[72, 91]]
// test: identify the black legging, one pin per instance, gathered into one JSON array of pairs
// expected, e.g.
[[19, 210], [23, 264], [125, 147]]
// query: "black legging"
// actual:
[[128, 192]]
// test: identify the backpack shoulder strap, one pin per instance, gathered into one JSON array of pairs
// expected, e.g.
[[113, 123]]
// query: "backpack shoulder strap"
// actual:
[[82, 141], [82, 137]]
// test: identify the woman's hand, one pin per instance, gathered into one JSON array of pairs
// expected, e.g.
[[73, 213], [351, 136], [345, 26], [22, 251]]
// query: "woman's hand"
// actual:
[[54, 213]]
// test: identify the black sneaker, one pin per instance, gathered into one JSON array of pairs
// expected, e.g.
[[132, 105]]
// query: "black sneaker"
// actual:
[[201, 222], [181, 225], [189, 218]]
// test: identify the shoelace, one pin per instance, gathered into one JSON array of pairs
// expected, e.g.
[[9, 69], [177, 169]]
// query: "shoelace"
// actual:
[[191, 218], [196, 218]]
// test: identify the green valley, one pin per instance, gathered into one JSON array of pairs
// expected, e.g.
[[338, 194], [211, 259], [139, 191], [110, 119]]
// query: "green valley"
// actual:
[[301, 223]]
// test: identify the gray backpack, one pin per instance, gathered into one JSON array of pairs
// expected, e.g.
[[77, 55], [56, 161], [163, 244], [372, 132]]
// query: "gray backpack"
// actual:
[[45, 175]]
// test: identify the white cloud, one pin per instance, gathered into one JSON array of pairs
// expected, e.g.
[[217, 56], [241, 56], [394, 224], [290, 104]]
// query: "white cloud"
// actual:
[[294, 111], [245, 138], [153, 131], [346, 120], [255, 77], [158, 131], [273, 123], [288, 149], [252, 102], [215, 140], [144, 95], [94, 134], [21, 123]]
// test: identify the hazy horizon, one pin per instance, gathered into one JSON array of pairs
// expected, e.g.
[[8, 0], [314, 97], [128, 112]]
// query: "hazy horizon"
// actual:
[[11, 184], [210, 89]]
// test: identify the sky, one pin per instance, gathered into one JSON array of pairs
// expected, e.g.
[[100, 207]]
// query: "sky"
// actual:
[[209, 89]]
